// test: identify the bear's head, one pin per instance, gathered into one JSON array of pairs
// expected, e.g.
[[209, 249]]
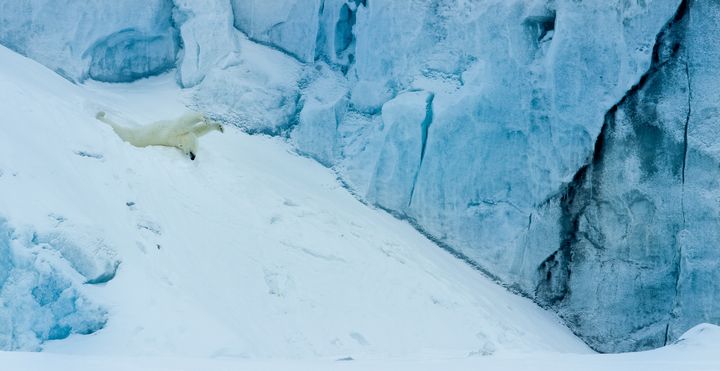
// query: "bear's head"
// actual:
[[188, 144]]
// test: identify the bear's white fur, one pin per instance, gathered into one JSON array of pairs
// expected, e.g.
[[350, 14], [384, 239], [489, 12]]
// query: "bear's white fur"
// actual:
[[181, 133]]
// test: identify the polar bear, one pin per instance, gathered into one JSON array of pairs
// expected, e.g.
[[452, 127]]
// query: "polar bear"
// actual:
[[181, 133]]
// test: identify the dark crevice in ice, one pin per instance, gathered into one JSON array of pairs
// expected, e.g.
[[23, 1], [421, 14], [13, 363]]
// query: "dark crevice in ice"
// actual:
[[685, 135], [425, 128], [555, 272]]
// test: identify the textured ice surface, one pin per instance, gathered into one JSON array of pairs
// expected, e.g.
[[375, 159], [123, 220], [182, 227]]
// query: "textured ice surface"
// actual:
[[307, 30], [288, 24], [407, 118], [203, 47], [324, 103], [510, 121], [644, 214], [103, 40], [237, 81], [40, 289], [83, 247], [256, 89]]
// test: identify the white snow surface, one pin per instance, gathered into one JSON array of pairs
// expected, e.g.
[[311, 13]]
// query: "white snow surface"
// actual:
[[695, 351], [248, 251], [251, 256]]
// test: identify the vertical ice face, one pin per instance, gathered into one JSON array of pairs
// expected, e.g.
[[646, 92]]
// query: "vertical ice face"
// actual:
[[103, 40], [698, 274], [307, 30], [290, 25], [407, 118], [324, 103], [643, 214], [204, 48], [519, 98]]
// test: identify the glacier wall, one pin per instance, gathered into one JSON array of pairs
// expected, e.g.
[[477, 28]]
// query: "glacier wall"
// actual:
[[643, 214], [490, 126], [565, 148], [103, 40], [307, 30]]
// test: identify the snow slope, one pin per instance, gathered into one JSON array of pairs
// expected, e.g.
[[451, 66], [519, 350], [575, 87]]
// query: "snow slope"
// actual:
[[695, 351], [249, 251], [250, 256]]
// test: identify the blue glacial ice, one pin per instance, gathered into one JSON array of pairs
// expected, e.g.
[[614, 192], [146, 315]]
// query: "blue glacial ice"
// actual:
[[41, 286], [493, 165], [103, 40]]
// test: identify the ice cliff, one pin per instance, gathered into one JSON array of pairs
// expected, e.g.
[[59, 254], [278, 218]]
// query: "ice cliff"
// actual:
[[568, 149], [643, 213], [103, 40]]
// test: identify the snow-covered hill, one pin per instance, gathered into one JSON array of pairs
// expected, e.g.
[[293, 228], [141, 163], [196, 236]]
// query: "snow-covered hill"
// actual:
[[250, 252]]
